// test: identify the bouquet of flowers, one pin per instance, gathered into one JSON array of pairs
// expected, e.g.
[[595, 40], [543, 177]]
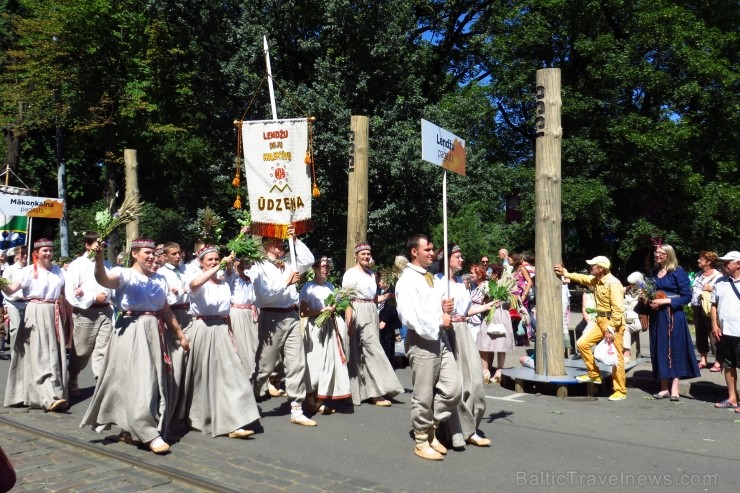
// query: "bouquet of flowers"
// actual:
[[107, 223], [341, 299], [647, 292], [502, 290], [4, 282], [244, 246]]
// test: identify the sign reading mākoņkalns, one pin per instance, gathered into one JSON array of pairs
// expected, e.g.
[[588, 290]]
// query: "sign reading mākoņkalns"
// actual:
[[278, 178], [440, 147], [22, 205]]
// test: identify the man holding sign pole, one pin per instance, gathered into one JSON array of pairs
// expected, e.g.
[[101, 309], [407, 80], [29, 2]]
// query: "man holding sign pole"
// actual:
[[436, 379]]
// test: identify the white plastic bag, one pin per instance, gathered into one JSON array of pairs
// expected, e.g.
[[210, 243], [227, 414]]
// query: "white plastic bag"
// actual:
[[496, 330], [606, 353]]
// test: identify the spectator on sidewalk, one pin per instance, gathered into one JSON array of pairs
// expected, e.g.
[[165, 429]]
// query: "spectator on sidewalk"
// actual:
[[609, 295], [726, 325]]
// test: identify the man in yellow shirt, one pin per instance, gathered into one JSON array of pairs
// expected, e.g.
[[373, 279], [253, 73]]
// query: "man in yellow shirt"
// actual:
[[609, 294]]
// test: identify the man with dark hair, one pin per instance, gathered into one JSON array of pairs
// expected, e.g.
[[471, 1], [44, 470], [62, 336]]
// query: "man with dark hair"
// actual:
[[435, 378], [91, 313], [193, 266], [15, 304], [278, 324]]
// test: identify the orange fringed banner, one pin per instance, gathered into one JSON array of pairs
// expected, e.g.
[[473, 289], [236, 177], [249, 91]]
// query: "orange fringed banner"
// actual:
[[280, 230]]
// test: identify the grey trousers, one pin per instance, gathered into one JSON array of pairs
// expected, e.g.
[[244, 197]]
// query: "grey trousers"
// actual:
[[90, 336], [281, 333], [435, 378], [16, 316]]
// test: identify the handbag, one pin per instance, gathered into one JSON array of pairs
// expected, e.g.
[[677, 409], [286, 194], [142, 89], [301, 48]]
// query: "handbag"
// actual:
[[705, 297], [606, 353], [496, 330]]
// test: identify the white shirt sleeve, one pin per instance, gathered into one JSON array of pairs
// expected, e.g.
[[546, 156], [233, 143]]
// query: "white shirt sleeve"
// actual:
[[419, 305]]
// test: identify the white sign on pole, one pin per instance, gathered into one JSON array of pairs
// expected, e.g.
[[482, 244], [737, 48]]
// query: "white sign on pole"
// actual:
[[21, 205], [442, 148]]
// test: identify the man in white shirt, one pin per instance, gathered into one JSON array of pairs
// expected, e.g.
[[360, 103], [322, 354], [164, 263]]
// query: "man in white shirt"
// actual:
[[193, 266], [726, 325], [436, 378], [15, 304], [92, 314], [177, 293], [278, 324]]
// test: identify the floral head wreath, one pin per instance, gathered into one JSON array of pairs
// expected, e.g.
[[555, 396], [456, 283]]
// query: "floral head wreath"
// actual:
[[205, 251], [42, 242], [143, 243], [362, 246]]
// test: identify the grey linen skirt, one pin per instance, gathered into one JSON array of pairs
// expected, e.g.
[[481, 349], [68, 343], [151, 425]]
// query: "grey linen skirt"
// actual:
[[326, 359], [469, 412], [217, 395], [371, 374], [134, 386], [38, 368]]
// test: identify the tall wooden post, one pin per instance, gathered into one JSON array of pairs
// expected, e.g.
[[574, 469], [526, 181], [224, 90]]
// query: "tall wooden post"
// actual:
[[357, 187], [132, 188], [549, 358]]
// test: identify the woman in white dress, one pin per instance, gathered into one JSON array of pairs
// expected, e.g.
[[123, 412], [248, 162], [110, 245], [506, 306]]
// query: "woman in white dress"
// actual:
[[472, 406], [37, 376], [217, 395], [326, 360], [134, 390], [489, 346], [371, 374]]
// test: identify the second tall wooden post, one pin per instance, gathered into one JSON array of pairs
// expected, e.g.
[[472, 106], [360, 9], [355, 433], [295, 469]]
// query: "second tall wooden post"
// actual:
[[357, 186]]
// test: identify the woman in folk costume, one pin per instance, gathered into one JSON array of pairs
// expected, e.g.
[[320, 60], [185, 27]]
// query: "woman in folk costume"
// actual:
[[38, 368], [134, 389], [217, 396], [371, 374], [489, 345], [470, 410], [326, 361], [243, 312]]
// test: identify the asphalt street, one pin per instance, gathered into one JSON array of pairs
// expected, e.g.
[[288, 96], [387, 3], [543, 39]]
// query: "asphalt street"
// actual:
[[576, 444]]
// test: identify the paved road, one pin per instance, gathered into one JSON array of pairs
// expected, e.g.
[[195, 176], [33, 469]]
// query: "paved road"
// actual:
[[539, 441]]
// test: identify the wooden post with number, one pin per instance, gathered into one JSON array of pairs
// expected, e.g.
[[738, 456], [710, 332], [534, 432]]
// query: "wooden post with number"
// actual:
[[132, 188], [357, 186], [549, 357]]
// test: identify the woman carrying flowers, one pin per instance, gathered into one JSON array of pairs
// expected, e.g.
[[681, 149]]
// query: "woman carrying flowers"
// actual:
[[324, 339], [217, 397], [671, 349], [135, 387]]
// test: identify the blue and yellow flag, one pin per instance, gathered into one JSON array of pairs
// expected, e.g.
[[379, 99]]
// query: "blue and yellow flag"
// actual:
[[13, 231]]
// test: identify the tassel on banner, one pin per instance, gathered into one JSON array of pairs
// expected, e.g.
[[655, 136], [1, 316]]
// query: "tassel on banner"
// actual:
[[315, 192], [238, 202]]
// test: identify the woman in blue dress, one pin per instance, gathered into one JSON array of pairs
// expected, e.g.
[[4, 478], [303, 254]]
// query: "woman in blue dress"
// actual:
[[671, 349]]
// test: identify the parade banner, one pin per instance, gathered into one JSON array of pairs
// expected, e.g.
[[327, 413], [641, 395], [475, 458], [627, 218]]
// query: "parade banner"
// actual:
[[22, 205], [13, 231], [442, 148], [278, 178]]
